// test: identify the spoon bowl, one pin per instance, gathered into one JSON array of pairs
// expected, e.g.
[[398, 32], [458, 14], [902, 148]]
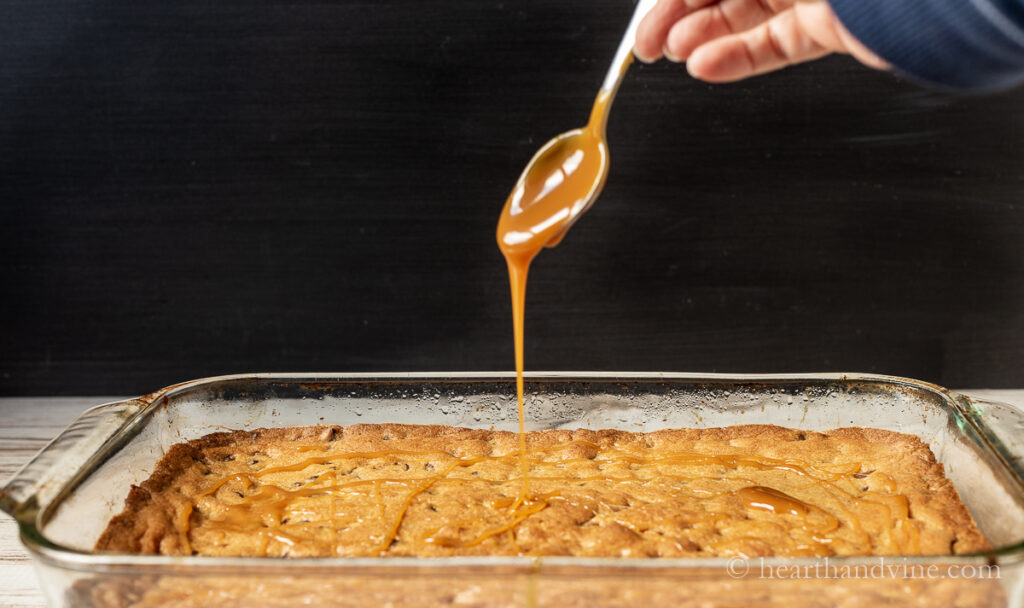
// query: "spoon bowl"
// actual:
[[559, 183]]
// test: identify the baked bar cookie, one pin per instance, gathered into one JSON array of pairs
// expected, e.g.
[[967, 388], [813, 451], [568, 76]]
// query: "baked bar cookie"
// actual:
[[407, 490]]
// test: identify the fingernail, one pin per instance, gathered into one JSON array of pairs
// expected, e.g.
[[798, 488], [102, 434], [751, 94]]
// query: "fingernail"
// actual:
[[643, 59], [668, 55]]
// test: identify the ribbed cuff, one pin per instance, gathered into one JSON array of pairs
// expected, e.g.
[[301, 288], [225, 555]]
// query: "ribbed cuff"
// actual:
[[959, 44]]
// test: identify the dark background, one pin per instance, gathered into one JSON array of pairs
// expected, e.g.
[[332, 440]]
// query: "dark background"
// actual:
[[197, 188]]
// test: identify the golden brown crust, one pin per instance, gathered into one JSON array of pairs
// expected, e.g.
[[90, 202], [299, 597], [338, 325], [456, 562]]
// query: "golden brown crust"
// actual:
[[437, 490]]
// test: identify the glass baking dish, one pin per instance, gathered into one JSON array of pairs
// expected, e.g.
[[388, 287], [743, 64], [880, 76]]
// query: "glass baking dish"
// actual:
[[65, 496]]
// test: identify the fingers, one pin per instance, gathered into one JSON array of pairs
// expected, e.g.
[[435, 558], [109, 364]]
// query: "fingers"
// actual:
[[727, 40], [653, 30], [776, 43], [717, 20]]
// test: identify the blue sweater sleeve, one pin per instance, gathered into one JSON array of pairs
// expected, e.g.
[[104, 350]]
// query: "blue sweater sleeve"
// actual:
[[960, 44]]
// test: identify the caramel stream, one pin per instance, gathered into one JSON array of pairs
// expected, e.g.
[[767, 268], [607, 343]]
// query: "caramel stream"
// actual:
[[557, 184]]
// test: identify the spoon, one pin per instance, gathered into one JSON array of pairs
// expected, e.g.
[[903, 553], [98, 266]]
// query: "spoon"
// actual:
[[566, 175]]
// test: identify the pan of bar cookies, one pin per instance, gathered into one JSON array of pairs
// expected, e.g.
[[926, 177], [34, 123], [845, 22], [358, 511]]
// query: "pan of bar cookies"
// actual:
[[416, 490]]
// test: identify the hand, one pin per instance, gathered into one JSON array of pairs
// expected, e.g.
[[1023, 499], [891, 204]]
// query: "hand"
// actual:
[[727, 40]]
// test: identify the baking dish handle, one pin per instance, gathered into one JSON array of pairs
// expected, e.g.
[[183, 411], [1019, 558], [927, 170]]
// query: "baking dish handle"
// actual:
[[1004, 429], [56, 466]]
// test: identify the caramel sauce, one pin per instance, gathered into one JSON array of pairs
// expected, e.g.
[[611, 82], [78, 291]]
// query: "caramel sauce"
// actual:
[[768, 499], [558, 183], [330, 503]]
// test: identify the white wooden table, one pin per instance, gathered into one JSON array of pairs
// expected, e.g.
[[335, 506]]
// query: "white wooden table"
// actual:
[[27, 424]]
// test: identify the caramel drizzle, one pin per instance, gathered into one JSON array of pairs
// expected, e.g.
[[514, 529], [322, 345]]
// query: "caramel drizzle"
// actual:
[[263, 500], [555, 187]]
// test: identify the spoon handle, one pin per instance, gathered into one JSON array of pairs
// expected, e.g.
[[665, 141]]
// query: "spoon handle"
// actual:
[[624, 55]]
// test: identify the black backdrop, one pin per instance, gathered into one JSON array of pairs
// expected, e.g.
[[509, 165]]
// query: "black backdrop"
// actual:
[[193, 188]]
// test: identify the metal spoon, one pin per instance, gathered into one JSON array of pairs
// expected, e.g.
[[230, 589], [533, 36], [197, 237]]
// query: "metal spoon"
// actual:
[[567, 174]]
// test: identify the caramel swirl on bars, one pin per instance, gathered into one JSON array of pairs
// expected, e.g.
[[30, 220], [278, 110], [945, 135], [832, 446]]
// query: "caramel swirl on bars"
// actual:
[[406, 490]]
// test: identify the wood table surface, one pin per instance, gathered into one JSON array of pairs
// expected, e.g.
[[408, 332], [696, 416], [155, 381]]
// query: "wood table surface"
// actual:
[[30, 422]]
